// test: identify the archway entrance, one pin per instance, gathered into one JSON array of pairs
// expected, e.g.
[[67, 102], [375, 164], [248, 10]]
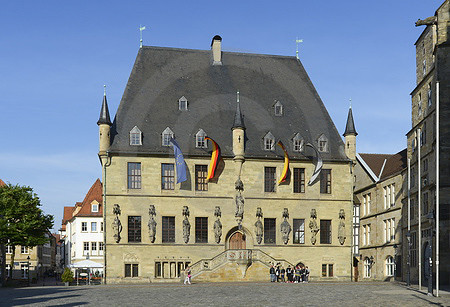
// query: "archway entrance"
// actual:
[[237, 240]]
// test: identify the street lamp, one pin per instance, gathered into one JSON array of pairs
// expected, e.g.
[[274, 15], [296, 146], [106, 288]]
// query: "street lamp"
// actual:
[[28, 270], [430, 216], [408, 260]]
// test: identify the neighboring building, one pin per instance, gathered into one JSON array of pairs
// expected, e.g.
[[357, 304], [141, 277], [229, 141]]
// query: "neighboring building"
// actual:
[[82, 229], [156, 227], [432, 65], [59, 252], [380, 189]]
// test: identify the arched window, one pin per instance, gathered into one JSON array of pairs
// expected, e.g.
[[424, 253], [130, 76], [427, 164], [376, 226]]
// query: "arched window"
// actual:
[[165, 137], [135, 136], [200, 141], [278, 107], [182, 104], [322, 143], [390, 266], [367, 268], [297, 143], [269, 141]]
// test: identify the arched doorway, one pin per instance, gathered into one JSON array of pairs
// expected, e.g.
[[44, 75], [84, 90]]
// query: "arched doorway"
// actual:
[[237, 240]]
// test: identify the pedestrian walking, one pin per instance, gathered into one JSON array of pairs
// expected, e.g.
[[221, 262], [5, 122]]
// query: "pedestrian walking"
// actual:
[[187, 275], [273, 277], [307, 274], [282, 271]]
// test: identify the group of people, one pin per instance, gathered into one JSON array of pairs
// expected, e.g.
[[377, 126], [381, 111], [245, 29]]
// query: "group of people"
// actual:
[[296, 274]]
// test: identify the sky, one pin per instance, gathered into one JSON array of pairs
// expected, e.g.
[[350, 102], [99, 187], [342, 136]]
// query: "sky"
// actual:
[[55, 57]]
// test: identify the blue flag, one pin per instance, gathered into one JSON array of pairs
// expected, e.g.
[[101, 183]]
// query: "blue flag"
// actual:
[[179, 161]]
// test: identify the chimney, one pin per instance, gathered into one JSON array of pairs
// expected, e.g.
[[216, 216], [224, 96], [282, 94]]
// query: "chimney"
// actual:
[[216, 47]]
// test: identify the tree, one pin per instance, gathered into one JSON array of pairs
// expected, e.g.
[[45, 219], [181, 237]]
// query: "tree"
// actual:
[[22, 222]]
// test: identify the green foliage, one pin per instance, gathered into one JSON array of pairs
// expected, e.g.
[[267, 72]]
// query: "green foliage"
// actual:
[[22, 222], [67, 276]]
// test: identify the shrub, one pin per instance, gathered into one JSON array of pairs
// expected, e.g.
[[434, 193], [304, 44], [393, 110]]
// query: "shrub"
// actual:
[[67, 276]]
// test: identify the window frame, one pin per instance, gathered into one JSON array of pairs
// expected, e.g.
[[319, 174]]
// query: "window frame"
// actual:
[[325, 232], [96, 206], [84, 227], [270, 231], [200, 141], [92, 228], [132, 270], [201, 175], [134, 229], [135, 136], [168, 229], [166, 135], [167, 176], [325, 181], [134, 175], [201, 229], [299, 180], [298, 233], [183, 104], [270, 179]]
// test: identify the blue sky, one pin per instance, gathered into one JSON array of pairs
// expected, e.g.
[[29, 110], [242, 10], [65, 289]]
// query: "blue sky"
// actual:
[[55, 57]]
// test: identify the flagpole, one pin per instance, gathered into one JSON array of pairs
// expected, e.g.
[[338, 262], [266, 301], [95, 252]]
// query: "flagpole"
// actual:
[[437, 188], [408, 234], [419, 205]]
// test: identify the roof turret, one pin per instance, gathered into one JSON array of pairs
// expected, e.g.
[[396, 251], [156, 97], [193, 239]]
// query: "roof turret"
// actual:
[[350, 127], [104, 113], [238, 119]]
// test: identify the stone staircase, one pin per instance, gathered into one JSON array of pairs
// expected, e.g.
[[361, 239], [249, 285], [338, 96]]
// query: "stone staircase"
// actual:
[[236, 265]]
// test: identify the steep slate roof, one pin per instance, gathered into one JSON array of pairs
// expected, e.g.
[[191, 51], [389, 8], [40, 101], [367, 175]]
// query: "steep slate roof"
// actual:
[[392, 163], [104, 113], [161, 76], [350, 126]]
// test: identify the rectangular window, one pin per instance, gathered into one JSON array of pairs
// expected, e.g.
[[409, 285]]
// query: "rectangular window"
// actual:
[[299, 231], [201, 173], [24, 250], [101, 226], [429, 94], [425, 203], [324, 270], [327, 270], [94, 248], [158, 269], [419, 104], [131, 270], [413, 249], [94, 208], [299, 180], [330, 270], [93, 226], [83, 226], [85, 248], [134, 175], [201, 230], [325, 181], [101, 247], [168, 229], [269, 231], [269, 179], [9, 249], [368, 234], [167, 176], [134, 229], [393, 195], [364, 236], [24, 270], [325, 231]]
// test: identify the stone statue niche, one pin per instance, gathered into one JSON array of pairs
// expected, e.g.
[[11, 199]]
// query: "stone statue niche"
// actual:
[[341, 229], [313, 226], [285, 226], [239, 199], [217, 224], [259, 229], [186, 225], [116, 225], [152, 223]]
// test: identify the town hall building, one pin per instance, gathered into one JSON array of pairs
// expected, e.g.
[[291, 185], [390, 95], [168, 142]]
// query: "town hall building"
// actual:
[[284, 203]]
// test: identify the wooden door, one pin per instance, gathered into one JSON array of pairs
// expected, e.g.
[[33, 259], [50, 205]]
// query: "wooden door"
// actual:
[[237, 241]]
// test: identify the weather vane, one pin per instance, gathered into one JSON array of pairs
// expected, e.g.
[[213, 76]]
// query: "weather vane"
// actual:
[[141, 28], [297, 41], [237, 96], [350, 102], [104, 89]]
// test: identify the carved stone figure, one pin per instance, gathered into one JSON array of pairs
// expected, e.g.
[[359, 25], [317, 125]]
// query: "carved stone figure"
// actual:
[[313, 226], [217, 224], [259, 229], [427, 21], [239, 200], [116, 225], [186, 224], [341, 229], [152, 223], [285, 226]]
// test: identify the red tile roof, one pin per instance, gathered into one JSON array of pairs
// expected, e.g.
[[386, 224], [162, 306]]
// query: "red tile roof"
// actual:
[[392, 163], [375, 161], [2, 183]]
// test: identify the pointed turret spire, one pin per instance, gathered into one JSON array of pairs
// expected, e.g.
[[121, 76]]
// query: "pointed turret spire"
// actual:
[[238, 119], [104, 113], [350, 127]]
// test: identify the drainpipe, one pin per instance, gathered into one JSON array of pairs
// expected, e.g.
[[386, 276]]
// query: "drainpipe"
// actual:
[[107, 163]]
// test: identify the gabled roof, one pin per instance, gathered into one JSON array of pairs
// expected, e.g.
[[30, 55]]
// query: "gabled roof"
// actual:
[[161, 75], [94, 194], [381, 166]]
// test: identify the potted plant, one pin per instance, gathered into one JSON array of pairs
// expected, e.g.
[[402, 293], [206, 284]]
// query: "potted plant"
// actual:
[[67, 276]]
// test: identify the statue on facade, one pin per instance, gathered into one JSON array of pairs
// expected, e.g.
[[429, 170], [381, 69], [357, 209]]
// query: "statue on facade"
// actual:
[[341, 229], [313, 226], [259, 229], [285, 226], [152, 223], [217, 224], [239, 199], [186, 224], [116, 225]]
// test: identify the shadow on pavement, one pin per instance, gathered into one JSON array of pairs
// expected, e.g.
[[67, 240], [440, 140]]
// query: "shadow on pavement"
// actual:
[[38, 295]]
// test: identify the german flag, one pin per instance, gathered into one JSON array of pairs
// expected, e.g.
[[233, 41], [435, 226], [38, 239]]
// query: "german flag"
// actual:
[[286, 163], [215, 158]]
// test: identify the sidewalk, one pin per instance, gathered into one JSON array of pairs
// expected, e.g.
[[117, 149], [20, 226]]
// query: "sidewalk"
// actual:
[[444, 291]]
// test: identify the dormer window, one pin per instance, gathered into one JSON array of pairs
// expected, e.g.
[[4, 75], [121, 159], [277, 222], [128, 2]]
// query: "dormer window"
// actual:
[[94, 207], [278, 107], [182, 104], [200, 141], [297, 143], [322, 143], [166, 135], [269, 141], [135, 136]]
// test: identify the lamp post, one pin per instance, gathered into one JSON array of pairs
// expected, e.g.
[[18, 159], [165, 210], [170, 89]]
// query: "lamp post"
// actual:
[[430, 216], [408, 259], [28, 270]]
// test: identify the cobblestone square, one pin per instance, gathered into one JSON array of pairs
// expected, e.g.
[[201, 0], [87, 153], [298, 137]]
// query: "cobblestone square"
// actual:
[[223, 294]]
